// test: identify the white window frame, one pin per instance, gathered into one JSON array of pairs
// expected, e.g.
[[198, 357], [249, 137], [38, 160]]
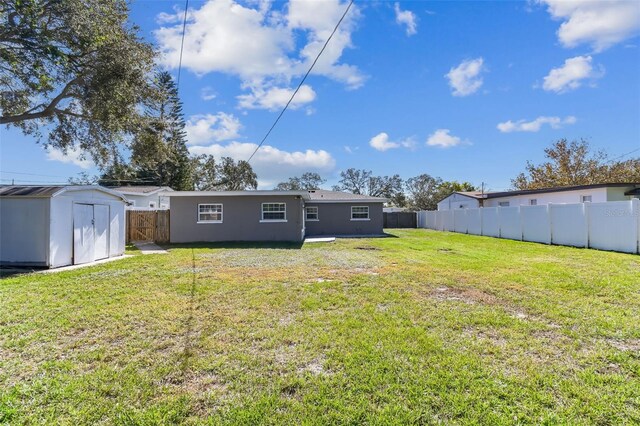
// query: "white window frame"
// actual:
[[211, 221], [360, 218], [533, 201], [583, 198], [504, 203], [306, 214], [263, 220]]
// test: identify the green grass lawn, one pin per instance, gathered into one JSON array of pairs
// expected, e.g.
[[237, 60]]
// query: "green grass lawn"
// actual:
[[424, 328]]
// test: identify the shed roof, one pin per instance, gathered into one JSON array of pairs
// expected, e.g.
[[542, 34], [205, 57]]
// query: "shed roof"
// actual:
[[141, 190], [45, 191]]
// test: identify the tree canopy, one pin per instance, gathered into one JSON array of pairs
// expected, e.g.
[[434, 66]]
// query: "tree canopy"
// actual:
[[159, 153], [226, 175], [365, 183], [425, 191], [307, 181], [574, 163], [74, 67]]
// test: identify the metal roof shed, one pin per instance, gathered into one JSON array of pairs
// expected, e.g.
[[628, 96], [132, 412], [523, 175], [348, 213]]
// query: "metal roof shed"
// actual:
[[52, 226]]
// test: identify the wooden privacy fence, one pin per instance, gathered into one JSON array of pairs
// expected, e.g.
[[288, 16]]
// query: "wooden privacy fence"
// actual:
[[148, 225], [400, 220]]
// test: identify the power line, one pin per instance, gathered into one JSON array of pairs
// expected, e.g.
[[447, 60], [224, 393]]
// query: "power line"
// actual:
[[623, 155], [301, 81], [184, 26], [29, 174]]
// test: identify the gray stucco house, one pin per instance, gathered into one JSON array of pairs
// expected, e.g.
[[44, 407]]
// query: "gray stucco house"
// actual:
[[214, 216]]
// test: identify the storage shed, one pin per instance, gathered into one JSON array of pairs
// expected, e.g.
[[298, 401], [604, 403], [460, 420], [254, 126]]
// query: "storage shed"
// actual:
[[52, 226]]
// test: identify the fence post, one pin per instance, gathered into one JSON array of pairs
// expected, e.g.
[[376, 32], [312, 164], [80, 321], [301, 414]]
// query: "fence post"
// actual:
[[635, 210]]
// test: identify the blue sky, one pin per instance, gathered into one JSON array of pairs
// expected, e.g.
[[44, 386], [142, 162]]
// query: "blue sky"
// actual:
[[462, 90]]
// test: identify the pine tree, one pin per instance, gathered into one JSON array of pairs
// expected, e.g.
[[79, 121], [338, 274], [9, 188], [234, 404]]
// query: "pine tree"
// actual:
[[159, 151]]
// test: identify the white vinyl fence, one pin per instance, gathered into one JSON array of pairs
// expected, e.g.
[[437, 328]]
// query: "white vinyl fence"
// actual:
[[613, 225]]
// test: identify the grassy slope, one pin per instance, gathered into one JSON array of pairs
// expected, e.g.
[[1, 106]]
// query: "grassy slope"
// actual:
[[425, 328]]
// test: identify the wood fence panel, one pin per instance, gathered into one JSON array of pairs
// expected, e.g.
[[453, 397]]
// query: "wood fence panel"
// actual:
[[400, 220], [148, 225]]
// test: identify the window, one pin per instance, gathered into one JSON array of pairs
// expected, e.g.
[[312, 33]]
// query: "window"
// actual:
[[312, 214], [533, 202], [209, 213], [586, 198], [360, 213], [503, 204], [274, 212]]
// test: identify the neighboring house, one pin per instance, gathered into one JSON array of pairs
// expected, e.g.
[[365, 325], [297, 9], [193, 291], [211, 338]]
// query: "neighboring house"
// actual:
[[52, 226], [209, 216], [597, 193], [145, 197], [394, 209]]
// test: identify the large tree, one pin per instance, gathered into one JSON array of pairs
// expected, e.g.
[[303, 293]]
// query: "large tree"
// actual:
[[574, 163], [425, 191], [226, 175], [307, 181], [365, 183], [159, 152], [75, 69]]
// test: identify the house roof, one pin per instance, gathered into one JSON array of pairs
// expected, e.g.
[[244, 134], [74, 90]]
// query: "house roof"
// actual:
[[559, 189], [260, 193], [480, 195], [45, 191], [315, 196], [324, 196], [141, 190]]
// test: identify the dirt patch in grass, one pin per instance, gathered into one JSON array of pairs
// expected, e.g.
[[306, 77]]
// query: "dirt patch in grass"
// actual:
[[466, 295], [632, 345], [282, 258]]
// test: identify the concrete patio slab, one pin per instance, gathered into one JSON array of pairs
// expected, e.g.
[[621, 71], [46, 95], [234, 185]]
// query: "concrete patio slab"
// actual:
[[149, 248]]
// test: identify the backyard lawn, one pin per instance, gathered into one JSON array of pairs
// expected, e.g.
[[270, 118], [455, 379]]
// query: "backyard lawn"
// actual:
[[422, 327]]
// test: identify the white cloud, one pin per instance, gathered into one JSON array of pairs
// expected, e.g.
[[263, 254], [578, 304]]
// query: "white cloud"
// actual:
[[465, 79], [381, 142], [271, 164], [443, 139], [275, 98], [72, 156], [207, 93], [206, 128], [406, 18], [598, 23], [571, 75], [259, 44], [535, 125]]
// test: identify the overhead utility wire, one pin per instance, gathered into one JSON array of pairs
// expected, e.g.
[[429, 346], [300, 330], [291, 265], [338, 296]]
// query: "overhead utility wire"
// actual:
[[302, 81], [184, 26]]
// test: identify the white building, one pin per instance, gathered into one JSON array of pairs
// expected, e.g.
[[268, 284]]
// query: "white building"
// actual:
[[52, 226], [597, 193], [145, 197]]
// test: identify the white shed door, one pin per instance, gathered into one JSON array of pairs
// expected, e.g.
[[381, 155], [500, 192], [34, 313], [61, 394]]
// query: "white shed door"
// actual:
[[101, 230], [83, 235]]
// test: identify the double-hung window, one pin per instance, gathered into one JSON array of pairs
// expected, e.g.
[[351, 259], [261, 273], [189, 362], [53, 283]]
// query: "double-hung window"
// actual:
[[312, 214], [360, 213], [586, 198], [274, 212], [503, 204], [209, 213]]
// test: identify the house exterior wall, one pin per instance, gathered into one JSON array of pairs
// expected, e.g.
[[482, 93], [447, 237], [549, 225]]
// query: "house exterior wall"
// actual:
[[241, 219], [142, 201], [24, 231], [598, 195], [335, 219], [458, 201]]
